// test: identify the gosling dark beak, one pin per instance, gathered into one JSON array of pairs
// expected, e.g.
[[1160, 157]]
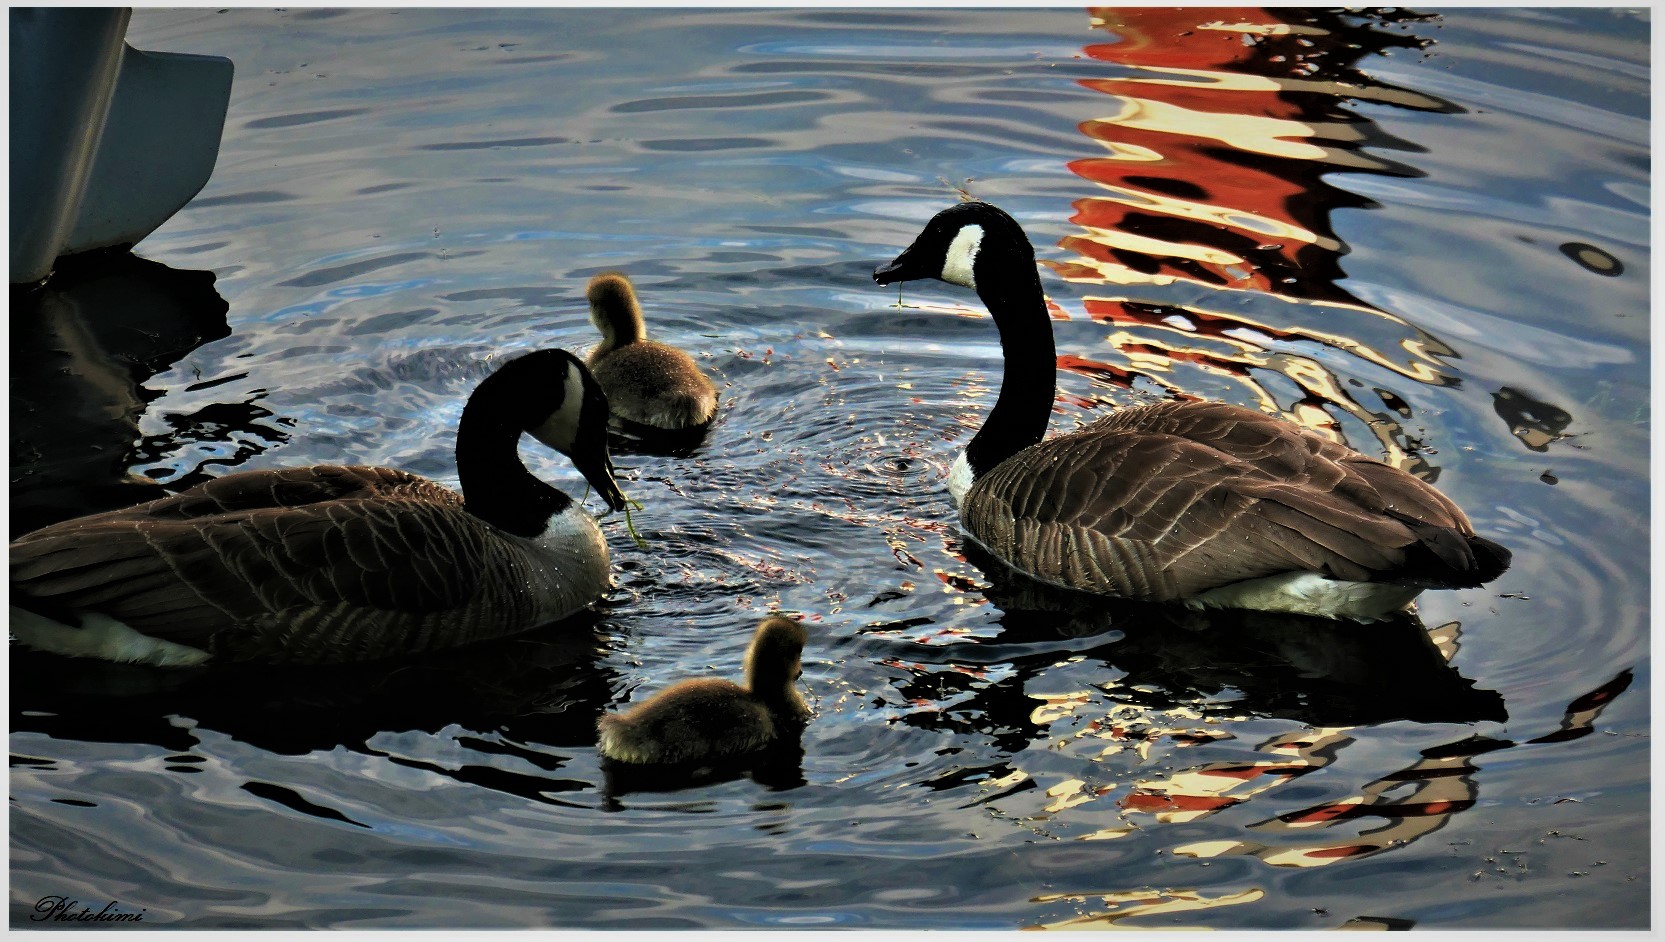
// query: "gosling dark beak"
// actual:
[[905, 268]]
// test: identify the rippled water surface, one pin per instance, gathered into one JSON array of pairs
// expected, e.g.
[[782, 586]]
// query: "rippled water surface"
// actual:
[[1423, 235]]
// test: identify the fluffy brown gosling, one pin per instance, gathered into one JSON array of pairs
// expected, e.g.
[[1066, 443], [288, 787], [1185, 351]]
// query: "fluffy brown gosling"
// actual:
[[647, 382], [706, 718]]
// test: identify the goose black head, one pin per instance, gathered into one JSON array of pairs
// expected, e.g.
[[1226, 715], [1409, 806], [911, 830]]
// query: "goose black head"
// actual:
[[957, 244], [560, 404]]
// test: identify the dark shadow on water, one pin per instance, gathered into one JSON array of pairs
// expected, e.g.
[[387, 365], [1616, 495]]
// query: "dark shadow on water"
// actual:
[[1316, 671], [633, 438], [1579, 719], [778, 768], [545, 686], [1535, 423], [81, 348]]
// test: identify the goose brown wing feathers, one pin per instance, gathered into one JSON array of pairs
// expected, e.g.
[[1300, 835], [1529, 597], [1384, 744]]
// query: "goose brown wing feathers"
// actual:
[[260, 549], [1164, 501], [266, 489]]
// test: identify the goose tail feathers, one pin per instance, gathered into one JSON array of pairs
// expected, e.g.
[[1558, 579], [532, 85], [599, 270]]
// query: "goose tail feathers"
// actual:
[[1442, 557]]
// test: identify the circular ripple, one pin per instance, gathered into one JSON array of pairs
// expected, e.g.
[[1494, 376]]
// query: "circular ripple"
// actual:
[[902, 467]]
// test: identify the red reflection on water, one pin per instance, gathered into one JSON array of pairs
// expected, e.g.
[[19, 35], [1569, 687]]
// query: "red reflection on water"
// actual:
[[1227, 121], [1223, 124], [1444, 783], [1151, 801]]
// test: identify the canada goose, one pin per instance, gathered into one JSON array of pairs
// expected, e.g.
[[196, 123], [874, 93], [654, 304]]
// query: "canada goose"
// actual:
[[332, 564], [648, 383], [1200, 502], [706, 718]]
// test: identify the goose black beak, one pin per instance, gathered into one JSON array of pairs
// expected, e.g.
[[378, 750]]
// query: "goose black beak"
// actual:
[[904, 268], [600, 476]]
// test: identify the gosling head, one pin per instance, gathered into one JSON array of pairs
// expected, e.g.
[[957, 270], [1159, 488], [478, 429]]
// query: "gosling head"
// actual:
[[957, 246], [551, 395], [773, 663], [614, 309]]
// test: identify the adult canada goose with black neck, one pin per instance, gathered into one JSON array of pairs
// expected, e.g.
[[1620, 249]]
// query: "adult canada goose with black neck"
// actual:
[[653, 388], [331, 564], [1197, 502]]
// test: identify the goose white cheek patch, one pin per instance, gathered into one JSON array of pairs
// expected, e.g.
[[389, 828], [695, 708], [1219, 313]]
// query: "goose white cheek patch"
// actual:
[[560, 430], [962, 256]]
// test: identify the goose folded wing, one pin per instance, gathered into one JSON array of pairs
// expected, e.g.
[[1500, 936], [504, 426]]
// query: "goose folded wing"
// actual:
[[278, 487], [1279, 451], [1158, 516], [182, 578], [1266, 444]]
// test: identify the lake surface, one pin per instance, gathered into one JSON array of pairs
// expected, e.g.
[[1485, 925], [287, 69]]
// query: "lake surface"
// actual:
[[1425, 235]]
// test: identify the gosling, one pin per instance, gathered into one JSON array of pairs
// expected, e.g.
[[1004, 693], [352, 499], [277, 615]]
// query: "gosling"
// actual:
[[647, 383], [706, 718]]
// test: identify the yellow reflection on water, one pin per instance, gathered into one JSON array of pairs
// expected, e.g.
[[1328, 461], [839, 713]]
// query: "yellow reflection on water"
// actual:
[[1253, 133], [1128, 905]]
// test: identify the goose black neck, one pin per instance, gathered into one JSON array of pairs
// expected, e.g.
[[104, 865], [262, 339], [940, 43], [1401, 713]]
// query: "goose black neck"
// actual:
[[1011, 290], [496, 486]]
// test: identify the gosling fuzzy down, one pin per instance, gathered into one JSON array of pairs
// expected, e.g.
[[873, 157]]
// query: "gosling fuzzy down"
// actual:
[[647, 383], [706, 718]]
